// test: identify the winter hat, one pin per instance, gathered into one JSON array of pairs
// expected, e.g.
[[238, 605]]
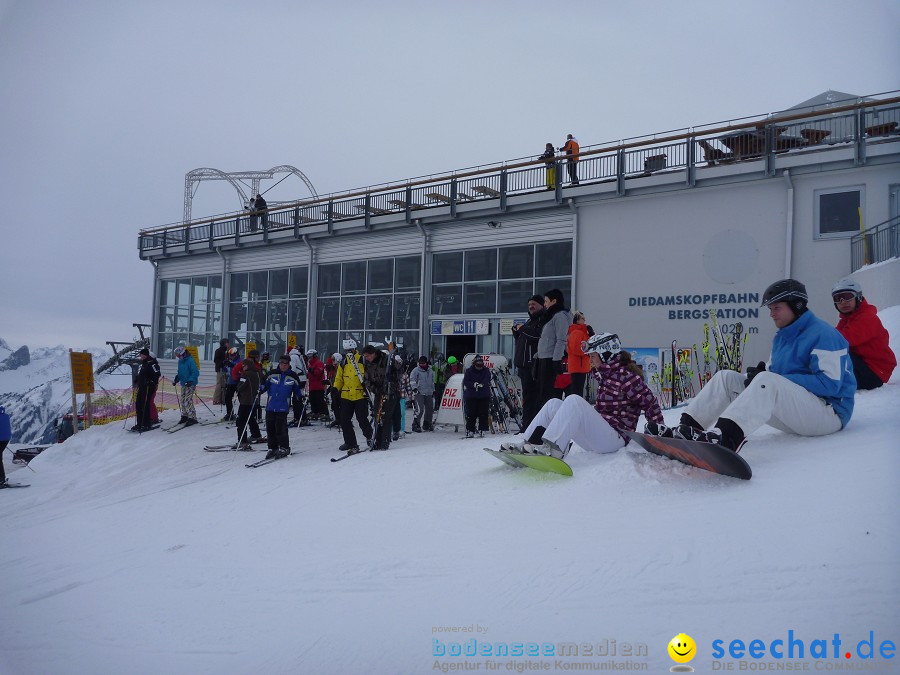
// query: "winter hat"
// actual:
[[478, 361], [537, 298], [144, 352], [451, 360], [423, 359]]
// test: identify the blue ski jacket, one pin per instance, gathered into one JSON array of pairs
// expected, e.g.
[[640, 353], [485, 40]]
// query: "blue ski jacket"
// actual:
[[814, 355], [280, 386], [5, 429], [187, 370]]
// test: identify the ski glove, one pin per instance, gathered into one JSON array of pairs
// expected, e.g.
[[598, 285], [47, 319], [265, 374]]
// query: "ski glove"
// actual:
[[753, 372], [175, 381], [558, 367]]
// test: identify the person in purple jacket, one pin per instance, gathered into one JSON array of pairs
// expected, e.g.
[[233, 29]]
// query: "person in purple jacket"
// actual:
[[622, 395], [5, 435], [476, 397]]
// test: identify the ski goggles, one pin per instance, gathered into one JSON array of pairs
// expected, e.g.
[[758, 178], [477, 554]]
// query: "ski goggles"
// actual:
[[846, 296]]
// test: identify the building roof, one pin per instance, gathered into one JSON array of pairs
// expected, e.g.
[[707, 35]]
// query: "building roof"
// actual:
[[826, 100]]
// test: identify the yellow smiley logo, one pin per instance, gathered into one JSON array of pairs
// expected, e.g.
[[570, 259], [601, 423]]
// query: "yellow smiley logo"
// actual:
[[682, 648]]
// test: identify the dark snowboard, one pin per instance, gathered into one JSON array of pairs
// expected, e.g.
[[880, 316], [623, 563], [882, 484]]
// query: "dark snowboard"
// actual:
[[708, 456]]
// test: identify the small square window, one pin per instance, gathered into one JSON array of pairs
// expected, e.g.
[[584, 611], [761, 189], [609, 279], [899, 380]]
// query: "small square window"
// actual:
[[838, 211]]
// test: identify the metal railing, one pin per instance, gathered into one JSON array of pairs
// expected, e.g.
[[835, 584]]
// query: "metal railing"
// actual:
[[876, 245], [756, 138]]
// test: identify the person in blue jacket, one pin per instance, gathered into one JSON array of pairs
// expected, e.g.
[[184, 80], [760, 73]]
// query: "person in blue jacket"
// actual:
[[808, 388], [476, 396], [280, 385], [188, 375], [5, 436]]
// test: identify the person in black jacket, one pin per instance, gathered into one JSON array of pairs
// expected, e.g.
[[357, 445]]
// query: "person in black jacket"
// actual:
[[147, 380], [385, 387], [476, 396], [526, 336], [219, 363], [260, 206]]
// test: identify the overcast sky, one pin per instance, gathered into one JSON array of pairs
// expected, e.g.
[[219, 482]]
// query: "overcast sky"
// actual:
[[106, 106]]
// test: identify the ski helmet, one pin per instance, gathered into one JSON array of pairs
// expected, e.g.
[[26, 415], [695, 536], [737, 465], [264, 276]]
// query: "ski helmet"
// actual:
[[311, 352], [337, 357], [606, 345], [178, 352], [790, 291], [349, 344], [847, 284]]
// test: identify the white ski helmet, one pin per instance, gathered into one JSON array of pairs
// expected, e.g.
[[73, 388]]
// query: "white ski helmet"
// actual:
[[311, 352], [847, 284], [337, 357], [349, 344], [607, 345]]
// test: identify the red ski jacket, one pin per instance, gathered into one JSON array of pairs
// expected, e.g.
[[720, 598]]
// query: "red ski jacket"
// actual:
[[868, 339]]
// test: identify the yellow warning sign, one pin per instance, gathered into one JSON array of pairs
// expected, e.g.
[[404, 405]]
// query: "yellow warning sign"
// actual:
[[82, 372], [292, 341]]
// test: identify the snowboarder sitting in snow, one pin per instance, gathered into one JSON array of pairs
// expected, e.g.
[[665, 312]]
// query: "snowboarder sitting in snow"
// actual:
[[280, 386], [188, 375], [622, 395], [808, 388], [873, 360], [476, 396]]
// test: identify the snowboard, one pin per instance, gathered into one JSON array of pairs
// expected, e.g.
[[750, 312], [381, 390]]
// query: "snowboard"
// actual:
[[708, 456], [536, 462]]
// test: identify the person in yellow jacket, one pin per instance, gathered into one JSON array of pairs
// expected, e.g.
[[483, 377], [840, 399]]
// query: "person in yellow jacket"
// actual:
[[571, 149], [348, 380]]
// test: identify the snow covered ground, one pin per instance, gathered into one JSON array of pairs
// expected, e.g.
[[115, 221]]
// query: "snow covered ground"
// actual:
[[145, 554]]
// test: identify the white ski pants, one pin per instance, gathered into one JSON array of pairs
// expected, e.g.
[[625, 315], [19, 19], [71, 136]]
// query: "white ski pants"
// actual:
[[770, 399], [574, 419]]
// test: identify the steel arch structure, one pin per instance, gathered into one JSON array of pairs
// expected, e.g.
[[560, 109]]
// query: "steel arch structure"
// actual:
[[233, 177]]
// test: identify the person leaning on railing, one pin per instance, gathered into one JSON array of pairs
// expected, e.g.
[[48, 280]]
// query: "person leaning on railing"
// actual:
[[549, 157]]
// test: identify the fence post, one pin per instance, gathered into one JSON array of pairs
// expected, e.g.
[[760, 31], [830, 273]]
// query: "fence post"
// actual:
[[503, 183], [691, 157], [620, 172], [453, 195]]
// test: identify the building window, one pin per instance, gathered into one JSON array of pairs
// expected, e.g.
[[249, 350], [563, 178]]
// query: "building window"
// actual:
[[837, 211], [190, 313], [267, 308], [499, 280], [369, 300]]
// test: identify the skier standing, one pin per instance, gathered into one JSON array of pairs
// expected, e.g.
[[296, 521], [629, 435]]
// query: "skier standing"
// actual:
[[422, 385], [316, 385], [348, 380], [807, 390], [476, 396], [5, 436], [219, 363], [527, 336], [188, 375], [298, 366], [552, 343], [280, 386], [147, 379], [622, 395], [384, 386], [870, 351], [248, 392]]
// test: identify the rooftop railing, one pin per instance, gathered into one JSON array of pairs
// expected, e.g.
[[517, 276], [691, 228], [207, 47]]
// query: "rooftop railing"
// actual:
[[875, 245], [763, 137]]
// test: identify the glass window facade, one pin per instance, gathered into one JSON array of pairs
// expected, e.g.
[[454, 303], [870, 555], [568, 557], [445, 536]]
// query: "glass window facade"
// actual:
[[266, 307], [368, 300], [189, 313], [499, 280]]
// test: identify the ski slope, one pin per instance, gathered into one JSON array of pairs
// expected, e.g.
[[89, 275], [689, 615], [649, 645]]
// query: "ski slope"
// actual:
[[145, 554]]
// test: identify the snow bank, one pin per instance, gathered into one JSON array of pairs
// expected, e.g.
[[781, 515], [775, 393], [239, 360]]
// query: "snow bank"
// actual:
[[145, 554]]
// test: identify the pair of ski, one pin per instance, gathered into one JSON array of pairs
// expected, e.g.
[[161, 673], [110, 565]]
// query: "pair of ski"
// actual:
[[153, 426], [233, 446], [3, 486], [181, 425], [265, 461]]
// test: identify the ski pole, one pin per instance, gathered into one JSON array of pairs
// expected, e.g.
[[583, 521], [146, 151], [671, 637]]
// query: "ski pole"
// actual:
[[204, 403]]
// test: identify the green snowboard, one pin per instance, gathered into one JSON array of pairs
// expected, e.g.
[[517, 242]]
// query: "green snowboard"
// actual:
[[536, 462]]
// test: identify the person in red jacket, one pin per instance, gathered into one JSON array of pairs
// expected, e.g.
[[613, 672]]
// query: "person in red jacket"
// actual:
[[579, 363], [315, 371], [872, 357]]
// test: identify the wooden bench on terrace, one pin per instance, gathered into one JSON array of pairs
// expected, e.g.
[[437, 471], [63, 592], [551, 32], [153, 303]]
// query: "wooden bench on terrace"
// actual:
[[374, 210], [655, 163], [438, 197], [713, 155], [815, 136], [402, 204], [486, 191], [885, 129]]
